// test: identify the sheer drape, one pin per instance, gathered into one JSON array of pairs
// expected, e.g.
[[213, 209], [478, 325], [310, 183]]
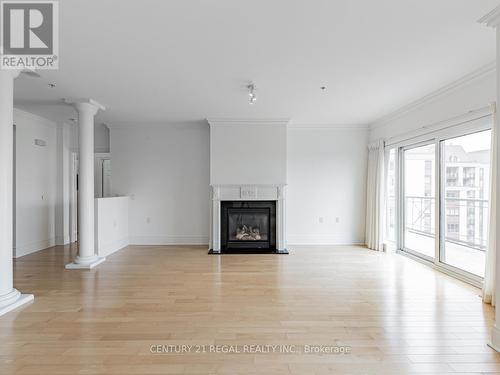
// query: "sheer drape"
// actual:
[[375, 196], [489, 275]]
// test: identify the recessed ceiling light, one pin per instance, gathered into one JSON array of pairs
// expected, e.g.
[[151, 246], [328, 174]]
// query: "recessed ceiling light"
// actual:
[[52, 85]]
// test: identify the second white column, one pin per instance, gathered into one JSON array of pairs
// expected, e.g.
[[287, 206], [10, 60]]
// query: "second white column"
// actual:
[[87, 258]]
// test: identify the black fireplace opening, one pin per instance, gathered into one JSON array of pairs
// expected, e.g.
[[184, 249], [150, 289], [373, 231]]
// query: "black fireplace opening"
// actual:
[[248, 225]]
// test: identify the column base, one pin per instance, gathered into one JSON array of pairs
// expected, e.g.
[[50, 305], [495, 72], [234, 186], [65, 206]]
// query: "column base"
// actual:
[[79, 265], [13, 303], [495, 339]]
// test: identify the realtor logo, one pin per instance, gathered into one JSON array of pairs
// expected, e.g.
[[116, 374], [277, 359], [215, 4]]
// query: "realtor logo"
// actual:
[[29, 34]]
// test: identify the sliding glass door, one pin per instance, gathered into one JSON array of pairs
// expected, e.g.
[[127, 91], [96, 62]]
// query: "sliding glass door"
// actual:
[[419, 200], [465, 181], [443, 200]]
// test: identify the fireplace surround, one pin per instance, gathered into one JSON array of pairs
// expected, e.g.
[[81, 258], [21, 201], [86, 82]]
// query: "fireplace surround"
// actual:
[[247, 218]]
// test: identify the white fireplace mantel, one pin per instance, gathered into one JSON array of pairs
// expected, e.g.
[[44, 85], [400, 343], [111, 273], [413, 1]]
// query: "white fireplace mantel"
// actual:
[[261, 192]]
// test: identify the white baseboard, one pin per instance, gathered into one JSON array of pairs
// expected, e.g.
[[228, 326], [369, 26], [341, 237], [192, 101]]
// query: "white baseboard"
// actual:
[[112, 247], [323, 239], [61, 241], [33, 247], [169, 240]]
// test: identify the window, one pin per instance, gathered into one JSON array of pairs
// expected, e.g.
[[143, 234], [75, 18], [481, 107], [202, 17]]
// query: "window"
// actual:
[[390, 210], [469, 176], [419, 200], [452, 176], [445, 220], [464, 242]]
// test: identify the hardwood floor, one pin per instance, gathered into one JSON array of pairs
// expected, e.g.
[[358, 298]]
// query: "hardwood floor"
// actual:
[[396, 315]]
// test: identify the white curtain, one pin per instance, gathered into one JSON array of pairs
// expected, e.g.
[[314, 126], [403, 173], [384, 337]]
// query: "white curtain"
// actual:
[[375, 196], [489, 275]]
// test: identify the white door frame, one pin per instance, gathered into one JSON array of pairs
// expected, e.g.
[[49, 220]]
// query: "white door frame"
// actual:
[[73, 198]]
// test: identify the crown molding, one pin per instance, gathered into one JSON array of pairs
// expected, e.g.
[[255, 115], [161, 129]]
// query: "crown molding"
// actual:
[[330, 126], [153, 124], [429, 98], [248, 122], [25, 115], [492, 19]]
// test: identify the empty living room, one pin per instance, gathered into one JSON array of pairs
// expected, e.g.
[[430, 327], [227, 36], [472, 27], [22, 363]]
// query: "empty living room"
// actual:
[[231, 187]]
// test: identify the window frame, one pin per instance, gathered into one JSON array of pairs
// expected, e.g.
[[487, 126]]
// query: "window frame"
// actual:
[[436, 137]]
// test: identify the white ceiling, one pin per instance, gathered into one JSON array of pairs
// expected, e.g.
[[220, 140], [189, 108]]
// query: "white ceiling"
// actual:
[[185, 60]]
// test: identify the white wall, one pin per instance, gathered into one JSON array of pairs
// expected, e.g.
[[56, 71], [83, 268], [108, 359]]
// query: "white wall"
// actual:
[[165, 172], [111, 224], [36, 183], [248, 153], [472, 92], [326, 179], [101, 138], [63, 159]]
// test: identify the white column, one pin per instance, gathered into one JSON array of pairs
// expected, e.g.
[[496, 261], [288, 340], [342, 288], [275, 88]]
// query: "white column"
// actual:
[[492, 19], [87, 258], [280, 221], [10, 298], [215, 227]]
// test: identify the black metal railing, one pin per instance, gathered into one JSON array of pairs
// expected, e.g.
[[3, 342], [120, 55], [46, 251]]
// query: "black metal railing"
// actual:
[[466, 219]]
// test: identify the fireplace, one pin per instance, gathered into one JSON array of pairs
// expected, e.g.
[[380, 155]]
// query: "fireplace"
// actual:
[[247, 219], [248, 225]]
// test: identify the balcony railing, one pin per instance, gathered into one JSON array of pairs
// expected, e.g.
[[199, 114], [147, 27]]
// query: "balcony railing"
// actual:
[[420, 219]]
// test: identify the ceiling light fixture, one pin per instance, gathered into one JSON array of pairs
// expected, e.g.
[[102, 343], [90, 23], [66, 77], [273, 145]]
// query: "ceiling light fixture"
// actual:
[[252, 93]]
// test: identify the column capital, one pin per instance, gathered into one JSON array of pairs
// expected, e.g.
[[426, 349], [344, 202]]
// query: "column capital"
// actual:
[[492, 19], [85, 103]]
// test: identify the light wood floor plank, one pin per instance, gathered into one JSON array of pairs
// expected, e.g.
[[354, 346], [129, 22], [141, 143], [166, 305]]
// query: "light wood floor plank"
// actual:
[[396, 315]]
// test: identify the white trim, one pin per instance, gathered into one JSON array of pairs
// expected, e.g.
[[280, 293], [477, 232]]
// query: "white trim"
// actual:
[[22, 114], [90, 101], [112, 247], [322, 239], [168, 240], [20, 301], [433, 96], [248, 122], [492, 19], [438, 129], [33, 247], [62, 240], [329, 126], [439, 267], [85, 266]]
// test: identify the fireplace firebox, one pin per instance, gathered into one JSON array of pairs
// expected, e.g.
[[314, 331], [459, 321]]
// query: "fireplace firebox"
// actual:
[[248, 225]]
